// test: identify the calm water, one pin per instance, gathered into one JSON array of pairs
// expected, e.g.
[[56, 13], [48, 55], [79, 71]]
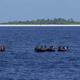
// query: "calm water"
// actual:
[[21, 62]]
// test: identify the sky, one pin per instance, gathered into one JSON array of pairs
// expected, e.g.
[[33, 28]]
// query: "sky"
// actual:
[[16, 10]]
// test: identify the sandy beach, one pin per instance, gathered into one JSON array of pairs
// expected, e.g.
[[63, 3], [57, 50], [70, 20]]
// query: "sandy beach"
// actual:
[[39, 25]]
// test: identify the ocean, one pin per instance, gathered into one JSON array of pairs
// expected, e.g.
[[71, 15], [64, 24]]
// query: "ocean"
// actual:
[[19, 61]]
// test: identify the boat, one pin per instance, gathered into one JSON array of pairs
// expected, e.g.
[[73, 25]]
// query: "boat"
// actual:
[[44, 49], [2, 48], [51, 48], [63, 48]]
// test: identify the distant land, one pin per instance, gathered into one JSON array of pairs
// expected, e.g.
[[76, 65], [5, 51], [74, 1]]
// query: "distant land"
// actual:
[[44, 22]]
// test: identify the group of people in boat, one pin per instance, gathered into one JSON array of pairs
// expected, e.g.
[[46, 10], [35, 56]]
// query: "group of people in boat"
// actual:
[[44, 48], [50, 48], [63, 48]]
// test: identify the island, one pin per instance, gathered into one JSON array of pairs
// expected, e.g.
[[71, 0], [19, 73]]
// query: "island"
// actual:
[[44, 21]]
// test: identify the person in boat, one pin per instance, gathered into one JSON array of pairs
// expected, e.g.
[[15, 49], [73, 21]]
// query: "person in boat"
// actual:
[[44, 48], [40, 48], [59, 48], [51, 48], [63, 48]]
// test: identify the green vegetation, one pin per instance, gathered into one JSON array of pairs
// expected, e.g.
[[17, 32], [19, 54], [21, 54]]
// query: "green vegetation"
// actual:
[[45, 21]]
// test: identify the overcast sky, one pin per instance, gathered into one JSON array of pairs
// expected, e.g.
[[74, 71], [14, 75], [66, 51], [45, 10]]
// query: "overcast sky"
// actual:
[[36, 9]]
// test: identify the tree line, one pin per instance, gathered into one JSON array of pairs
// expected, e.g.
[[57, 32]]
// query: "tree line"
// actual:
[[45, 21]]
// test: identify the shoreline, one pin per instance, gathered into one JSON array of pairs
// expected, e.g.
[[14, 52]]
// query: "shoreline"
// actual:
[[40, 25]]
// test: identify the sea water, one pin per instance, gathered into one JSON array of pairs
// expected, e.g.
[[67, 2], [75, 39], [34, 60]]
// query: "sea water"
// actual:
[[21, 62]]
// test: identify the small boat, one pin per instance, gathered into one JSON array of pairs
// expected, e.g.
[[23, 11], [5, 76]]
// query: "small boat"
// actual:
[[63, 48], [2, 48], [44, 49], [51, 48]]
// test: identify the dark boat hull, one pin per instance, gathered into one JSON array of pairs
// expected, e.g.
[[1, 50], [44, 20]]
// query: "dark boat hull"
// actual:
[[44, 50], [63, 50]]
